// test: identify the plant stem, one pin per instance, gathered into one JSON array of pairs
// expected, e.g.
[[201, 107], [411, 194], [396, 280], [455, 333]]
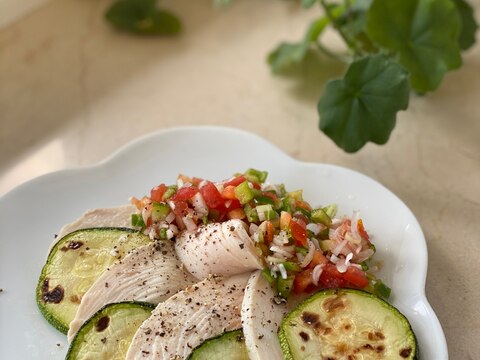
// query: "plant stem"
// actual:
[[351, 44], [330, 53]]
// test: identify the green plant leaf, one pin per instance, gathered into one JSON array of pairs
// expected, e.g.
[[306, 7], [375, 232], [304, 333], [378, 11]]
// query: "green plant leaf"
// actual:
[[469, 27], [422, 33], [308, 3], [363, 105], [142, 17], [287, 54]]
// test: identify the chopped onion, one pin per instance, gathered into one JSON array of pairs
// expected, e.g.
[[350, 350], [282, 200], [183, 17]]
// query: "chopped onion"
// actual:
[[283, 250], [253, 229], [189, 223], [317, 271], [282, 270], [199, 204], [275, 259], [315, 228], [281, 238], [170, 234], [174, 229], [309, 256], [316, 243], [363, 255], [202, 183], [338, 249]]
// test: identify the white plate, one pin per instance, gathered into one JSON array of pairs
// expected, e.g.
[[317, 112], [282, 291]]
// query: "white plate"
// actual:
[[32, 213]]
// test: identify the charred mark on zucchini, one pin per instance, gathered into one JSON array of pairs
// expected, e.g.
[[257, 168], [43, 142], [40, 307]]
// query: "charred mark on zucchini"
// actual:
[[405, 353], [54, 296], [305, 337], [72, 245], [311, 319], [334, 304], [102, 323]]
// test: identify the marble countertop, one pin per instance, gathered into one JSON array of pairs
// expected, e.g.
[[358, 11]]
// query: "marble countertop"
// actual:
[[72, 91]]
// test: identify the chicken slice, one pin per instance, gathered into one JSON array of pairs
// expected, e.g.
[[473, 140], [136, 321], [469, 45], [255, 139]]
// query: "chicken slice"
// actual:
[[151, 273], [262, 314], [187, 319], [218, 248]]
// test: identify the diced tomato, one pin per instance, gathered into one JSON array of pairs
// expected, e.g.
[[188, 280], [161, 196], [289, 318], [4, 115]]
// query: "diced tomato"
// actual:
[[229, 192], [270, 232], [361, 230], [356, 277], [235, 181], [184, 193], [332, 278], [256, 185], [303, 282], [299, 232], [318, 259], [211, 195], [233, 204], [180, 207], [156, 194], [185, 179], [196, 181]]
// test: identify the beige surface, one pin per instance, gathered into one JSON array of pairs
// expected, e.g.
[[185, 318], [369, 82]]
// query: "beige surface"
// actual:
[[72, 91]]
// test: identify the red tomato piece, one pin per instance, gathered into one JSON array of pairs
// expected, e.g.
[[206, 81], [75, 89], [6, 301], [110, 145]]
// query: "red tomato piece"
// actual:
[[303, 281], [361, 230], [303, 205], [299, 232], [271, 196], [184, 193], [332, 278], [156, 194], [318, 259], [235, 181], [270, 232], [180, 207], [233, 204], [229, 192], [356, 277], [211, 195]]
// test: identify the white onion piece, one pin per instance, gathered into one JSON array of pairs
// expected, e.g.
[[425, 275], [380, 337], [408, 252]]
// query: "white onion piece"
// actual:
[[199, 205], [316, 243], [283, 271], [338, 249], [363, 255], [253, 229], [314, 228], [309, 256], [281, 238], [317, 271], [275, 259], [170, 217], [189, 223], [284, 251]]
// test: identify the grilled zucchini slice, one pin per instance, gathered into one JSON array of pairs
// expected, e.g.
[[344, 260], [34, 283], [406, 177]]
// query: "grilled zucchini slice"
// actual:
[[108, 333], [73, 265], [228, 346], [346, 324]]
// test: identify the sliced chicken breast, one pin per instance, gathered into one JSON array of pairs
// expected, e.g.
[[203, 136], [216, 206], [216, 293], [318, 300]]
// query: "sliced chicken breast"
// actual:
[[120, 216], [219, 248], [152, 273], [262, 314], [187, 319]]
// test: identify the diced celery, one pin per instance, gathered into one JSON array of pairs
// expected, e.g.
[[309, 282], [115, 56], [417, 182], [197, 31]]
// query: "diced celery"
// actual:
[[243, 193], [160, 211], [320, 216], [256, 176]]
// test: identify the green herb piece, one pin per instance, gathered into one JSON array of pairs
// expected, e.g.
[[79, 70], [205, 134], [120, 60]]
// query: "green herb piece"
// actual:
[[142, 17], [469, 26], [137, 221], [244, 193], [362, 106], [422, 33]]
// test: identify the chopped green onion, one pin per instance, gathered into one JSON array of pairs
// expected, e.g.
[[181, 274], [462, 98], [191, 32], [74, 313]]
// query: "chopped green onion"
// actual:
[[243, 193], [137, 220], [320, 216], [256, 176]]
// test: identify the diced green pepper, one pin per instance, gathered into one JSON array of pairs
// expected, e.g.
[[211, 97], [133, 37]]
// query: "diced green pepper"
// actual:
[[251, 213], [286, 205], [263, 200], [162, 233], [382, 290], [324, 234], [284, 286], [256, 176], [291, 266], [160, 211], [243, 193], [297, 195], [267, 212], [320, 216], [330, 210], [137, 220], [267, 275], [171, 190]]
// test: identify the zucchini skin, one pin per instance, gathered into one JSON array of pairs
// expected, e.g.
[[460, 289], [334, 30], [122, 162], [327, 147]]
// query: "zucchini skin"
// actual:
[[283, 337], [73, 345], [51, 319], [201, 352]]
